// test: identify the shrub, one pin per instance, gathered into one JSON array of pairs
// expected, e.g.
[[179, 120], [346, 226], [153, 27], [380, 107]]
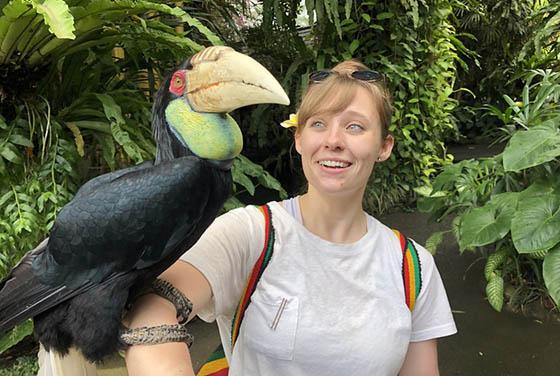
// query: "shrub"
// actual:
[[510, 204]]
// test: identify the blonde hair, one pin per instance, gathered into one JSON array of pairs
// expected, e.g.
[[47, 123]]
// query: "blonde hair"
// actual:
[[337, 91]]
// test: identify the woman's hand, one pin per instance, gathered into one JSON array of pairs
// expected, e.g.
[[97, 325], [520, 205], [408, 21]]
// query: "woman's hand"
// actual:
[[170, 358]]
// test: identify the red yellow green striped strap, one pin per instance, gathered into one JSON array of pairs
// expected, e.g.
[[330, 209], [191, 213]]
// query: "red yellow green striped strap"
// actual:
[[256, 273], [216, 365], [411, 270]]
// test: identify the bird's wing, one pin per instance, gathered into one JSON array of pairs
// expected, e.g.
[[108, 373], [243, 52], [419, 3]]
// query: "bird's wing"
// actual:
[[125, 222], [92, 184], [22, 295]]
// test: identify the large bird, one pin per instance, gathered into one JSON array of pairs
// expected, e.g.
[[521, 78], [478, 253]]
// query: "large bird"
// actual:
[[124, 228]]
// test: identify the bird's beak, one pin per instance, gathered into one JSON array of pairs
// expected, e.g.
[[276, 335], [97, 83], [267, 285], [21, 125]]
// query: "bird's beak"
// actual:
[[222, 80]]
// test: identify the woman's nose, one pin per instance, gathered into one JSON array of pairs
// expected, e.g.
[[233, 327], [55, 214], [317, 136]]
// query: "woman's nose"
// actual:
[[333, 138]]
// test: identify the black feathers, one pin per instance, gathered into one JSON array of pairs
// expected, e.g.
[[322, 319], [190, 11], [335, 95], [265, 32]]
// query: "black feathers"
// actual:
[[119, 233]]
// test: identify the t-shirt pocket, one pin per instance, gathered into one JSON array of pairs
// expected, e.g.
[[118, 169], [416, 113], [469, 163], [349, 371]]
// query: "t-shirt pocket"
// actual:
[[270, 325]]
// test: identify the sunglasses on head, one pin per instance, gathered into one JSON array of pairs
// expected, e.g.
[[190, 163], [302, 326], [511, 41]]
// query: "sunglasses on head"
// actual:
[[362, 75]]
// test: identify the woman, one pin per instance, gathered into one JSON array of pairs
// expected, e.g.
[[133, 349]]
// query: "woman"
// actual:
[[331, 300]]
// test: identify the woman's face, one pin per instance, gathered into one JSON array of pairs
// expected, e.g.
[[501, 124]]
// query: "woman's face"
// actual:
[[338, 151]]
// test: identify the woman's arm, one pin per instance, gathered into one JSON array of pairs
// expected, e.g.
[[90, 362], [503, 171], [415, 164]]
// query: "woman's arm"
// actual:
[[421, 359], [151, 310]]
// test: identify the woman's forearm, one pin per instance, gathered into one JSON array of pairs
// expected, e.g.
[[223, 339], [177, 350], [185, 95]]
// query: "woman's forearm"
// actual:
[[165, 359], [151, 310]]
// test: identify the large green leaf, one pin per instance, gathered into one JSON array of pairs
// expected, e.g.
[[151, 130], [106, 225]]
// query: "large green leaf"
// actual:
[[116, 9], [16, 335], [57, 16], [494, 261], [536, 223], [11, 31], [113, 113], [551, 273], [532, 147], [213, 38], [495, 292], [11, 153], [541, 187], [10, 14], [433, 242], [240, 178], [487, 224], [243, 169]]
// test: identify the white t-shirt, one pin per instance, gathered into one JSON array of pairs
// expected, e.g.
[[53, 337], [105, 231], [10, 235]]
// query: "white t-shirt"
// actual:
[[320, 308]]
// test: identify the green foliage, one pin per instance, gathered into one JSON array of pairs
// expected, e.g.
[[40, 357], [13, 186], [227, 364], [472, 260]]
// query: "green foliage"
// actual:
[[433, 242], [32, 193], [495, 292], [494, 262], [16, 335], [76, 79], [70, 109], [247, 177], [533, 147], [485, 225], [412, 42], [543, 48], [24, 366], [511, 203], [551, 273], [506, 39], [535, 225]]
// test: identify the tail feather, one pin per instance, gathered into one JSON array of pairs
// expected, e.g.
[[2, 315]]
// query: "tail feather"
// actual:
[[72, 364], [23, 296]]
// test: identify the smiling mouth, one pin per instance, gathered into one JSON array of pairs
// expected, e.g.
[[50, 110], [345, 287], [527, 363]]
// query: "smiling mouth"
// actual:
[[334, 164]]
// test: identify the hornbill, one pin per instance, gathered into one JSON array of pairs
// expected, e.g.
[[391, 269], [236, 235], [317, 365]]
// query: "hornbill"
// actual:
[[124, 228]]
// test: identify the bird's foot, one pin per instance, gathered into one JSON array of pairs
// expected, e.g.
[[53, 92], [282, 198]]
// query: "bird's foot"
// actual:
[[182, 304], [155, 335], [163, 333]]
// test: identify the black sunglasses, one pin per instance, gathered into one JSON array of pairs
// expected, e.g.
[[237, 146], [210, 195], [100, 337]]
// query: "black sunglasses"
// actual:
[[362, 75]]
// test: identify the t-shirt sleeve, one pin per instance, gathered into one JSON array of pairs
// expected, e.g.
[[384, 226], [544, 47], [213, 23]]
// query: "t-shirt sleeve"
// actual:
[[431, 317], [225, 254]]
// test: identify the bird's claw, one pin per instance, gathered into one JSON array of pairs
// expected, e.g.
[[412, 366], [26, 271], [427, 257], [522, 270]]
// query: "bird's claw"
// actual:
[[163, 333], [182, 304], [155, 335]]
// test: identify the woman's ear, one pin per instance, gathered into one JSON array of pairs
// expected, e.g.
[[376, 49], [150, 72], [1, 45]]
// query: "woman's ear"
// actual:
[[297, 139], [386, 148]]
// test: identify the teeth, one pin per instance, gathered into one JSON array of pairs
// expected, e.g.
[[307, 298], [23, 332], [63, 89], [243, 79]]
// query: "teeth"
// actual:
[[334, 164]]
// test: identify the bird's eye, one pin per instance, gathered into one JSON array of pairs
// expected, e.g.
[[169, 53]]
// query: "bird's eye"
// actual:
[[177, 83]]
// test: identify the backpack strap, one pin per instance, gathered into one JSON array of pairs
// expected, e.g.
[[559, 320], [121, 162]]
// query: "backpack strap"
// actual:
[[217, 364], [258, 269], [411, 270]]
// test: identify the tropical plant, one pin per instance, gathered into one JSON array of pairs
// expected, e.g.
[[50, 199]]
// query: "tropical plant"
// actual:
[[70, 110], [76, 79], [542, 50], [23, 366], [412, 42], [510, 203], [506, 38]]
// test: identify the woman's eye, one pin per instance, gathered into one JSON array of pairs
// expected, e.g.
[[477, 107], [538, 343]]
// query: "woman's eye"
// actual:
[[355, 127], [317, 124]]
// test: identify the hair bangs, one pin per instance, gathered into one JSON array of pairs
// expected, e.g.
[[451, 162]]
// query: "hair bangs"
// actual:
[[319, 98], [336, 92]]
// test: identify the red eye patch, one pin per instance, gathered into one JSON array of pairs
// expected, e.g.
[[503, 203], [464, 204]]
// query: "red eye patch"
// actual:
[[177, 84]]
